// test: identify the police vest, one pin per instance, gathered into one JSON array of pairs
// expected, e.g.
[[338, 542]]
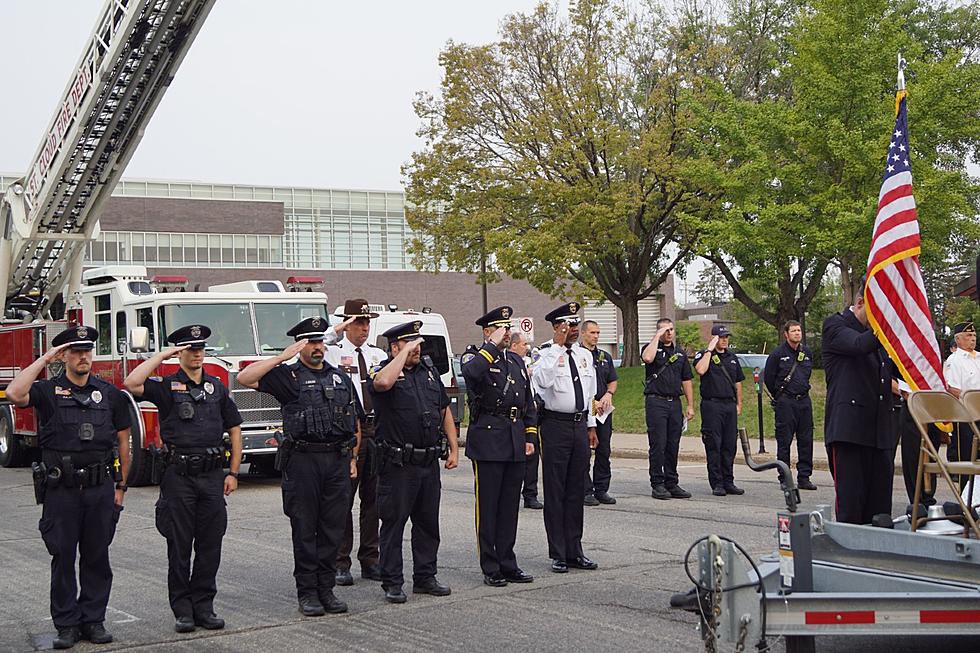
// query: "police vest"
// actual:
[[324, 408], [195, 421], [85, 417]]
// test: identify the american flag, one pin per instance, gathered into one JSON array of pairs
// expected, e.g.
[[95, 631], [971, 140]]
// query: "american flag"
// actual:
[[895, 295]]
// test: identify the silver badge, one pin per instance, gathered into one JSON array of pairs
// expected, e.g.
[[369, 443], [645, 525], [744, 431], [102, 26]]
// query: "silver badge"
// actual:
[[82, 332], [96, 396], [337, 380], [195, 331], [316, 323], [209, 387]]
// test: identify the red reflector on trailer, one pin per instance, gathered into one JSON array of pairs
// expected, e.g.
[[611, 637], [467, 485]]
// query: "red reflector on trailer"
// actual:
[[949, 616], [832, 618]]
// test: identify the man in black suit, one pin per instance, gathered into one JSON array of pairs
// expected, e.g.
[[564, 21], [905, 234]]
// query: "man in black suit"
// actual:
[[858, 426]]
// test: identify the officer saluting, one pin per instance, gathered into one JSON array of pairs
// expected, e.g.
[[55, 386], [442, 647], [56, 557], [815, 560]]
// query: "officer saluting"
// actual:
[[195, 411], [412, 407], [721, 404], [502, 431], [320, 412], [564, 378], [81, 419], [787, 376]]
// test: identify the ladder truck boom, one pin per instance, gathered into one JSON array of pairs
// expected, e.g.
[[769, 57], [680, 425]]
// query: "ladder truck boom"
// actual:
[[49, 215]]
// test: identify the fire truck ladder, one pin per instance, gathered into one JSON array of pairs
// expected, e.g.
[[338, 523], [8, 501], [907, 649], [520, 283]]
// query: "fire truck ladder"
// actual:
[[49, 215]]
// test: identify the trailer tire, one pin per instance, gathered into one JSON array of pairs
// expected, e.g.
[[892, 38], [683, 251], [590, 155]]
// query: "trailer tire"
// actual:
[[13, 451], [140, 460]]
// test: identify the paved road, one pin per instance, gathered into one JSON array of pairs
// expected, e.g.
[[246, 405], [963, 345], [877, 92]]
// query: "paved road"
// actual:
[[638, 543]]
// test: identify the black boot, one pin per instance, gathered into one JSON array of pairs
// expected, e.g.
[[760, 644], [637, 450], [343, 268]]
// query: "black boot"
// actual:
[[96, 633], [67, 637]]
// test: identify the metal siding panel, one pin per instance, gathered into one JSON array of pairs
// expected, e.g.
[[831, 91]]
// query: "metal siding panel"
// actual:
[[605, 317], [649, 312]]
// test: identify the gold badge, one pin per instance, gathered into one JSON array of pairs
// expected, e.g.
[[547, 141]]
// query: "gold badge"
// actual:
[[505, 312], [195, 331], [573, 307]]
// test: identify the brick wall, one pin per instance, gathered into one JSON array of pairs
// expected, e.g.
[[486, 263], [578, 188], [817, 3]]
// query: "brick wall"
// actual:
[[192, 216]]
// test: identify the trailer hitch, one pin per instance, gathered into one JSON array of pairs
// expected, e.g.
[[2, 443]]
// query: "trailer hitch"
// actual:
[[790, 492]]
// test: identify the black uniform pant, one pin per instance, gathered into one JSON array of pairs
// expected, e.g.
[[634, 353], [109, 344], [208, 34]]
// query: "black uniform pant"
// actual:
[[191, 514], [83, 521], [364, 486], [601, 468], [564, 463], [959, 448], [910, 440], [315, 496], [862, 480], [531, 463], [409, 492], [497, 486], [719, 424], [794, 417], [664, 422]]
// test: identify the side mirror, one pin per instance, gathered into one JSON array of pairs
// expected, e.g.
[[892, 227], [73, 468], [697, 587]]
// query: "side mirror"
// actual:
[[139, 339]]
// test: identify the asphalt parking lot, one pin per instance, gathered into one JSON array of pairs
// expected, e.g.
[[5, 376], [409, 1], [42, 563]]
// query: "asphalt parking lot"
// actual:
[[638, 543]]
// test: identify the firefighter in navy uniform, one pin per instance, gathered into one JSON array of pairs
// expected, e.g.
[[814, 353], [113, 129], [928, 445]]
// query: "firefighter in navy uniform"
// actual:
[[721, 404], [317, 457], [787, 377], [195, 411], [597, 487], [501, 434], [413, 417], [82, 418]]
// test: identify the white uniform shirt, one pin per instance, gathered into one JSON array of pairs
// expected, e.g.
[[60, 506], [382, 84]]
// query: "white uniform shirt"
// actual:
[[552, 379], [962, 370], [343, 356]]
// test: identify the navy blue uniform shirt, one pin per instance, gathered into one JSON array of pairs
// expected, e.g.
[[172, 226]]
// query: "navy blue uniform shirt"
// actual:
[[666, 374], [410, 412], [605, 372], [714, 383], [779, 364]]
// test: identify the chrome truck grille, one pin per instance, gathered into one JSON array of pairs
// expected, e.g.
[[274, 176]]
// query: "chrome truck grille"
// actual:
[[256, 408]]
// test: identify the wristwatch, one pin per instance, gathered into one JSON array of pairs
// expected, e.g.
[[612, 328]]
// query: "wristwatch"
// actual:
[[235, 474], [122, 486]]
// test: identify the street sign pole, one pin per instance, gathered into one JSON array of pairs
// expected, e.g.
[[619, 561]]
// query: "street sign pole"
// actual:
[[758, 394]]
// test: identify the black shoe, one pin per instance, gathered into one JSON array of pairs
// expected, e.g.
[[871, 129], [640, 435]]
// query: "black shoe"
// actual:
[[395, 595], [678, 492], [734, 489], [431, 586], [331, 603], [518, 576], [96, 633], [344, 577], [805, 484], [660, 492], [603, 497], [209, 621], [590, 500], [718, 491], [533, 503], [371, 573], [67, 637], [310, 606], [581, 562], [559, 566], [494, 580], [184, 625]]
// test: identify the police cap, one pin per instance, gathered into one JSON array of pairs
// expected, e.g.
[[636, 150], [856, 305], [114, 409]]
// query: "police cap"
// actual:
[[79, 337], [192, 335], [312, 329], [406, 331], [567, 313], [720, 330], [498, 317]]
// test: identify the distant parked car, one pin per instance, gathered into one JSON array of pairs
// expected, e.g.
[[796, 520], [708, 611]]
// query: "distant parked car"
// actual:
[[753, 360]]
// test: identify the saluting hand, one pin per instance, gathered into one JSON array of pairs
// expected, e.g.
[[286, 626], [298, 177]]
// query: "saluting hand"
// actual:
[[52, 353], [414, 345], [662, 331], [561, 334], [498, 336], [340, 328], [713, 343], [292, 350], [173, 351]]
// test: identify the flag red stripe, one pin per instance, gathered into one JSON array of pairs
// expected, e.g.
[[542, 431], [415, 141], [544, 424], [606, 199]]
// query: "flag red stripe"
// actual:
[[900, 218], [893, 248], [895, 297], [904, 358], [905, 190]]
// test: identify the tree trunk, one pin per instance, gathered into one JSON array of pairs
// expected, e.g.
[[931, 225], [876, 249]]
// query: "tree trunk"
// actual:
[[631, 331]]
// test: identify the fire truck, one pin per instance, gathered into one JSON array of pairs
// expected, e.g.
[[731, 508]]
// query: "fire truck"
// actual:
[[49, 215]]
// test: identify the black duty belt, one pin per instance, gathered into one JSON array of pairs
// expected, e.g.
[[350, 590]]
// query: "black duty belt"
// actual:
[[565, 417], [337, 446], [512, 413], [723, 399], [799, 397], [664, 397], [70, 469], [408, 454], [193, 463]]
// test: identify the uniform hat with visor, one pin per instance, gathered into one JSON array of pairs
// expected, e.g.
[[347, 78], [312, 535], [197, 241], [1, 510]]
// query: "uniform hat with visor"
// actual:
[[312, 329], [406, 331], [720, 330], [498, 317], [78, 337], [194, 336], [567, 313]]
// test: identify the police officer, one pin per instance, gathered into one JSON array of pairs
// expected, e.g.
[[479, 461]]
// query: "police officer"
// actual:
[[355, 356], [787, 377], [721, 404], [412, 407], [320, 412], [668, 375], [195, 410], [564, 378], [962, 372], [597, 487], [502, 432], [82, 418], [858, 423]]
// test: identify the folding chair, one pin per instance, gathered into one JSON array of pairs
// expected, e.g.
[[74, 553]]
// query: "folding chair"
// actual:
[[971, 399], [926, 407]]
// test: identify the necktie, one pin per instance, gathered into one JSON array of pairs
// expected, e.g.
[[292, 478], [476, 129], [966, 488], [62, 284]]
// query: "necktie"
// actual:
[[363, 374], [576, 381]]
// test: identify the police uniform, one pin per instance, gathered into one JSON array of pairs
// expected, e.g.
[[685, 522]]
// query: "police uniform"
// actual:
[[962, 371], [719, 415], [564, 378], [320, 409], [662, 390], [787, 377], [532, 462], [502, 421], [408, 436], [858, 423], [357, 362], [79, 428], [598, 485], [191, 512]]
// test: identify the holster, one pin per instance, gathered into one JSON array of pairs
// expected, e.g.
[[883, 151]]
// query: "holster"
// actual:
[[40, 473], [116, 466], [283, 452], [158, 464], [372, 457], [443, 445]]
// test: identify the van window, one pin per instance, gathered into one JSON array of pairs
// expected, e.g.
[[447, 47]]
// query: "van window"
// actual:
[[144, 318], [435, 348]]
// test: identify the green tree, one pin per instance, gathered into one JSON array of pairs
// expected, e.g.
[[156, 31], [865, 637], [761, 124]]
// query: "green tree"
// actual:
[[712, 288], [688, 334], [566, 152]]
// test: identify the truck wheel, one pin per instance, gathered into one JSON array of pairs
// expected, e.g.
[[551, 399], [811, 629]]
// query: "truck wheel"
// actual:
[[140, 460], [13, 451]]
